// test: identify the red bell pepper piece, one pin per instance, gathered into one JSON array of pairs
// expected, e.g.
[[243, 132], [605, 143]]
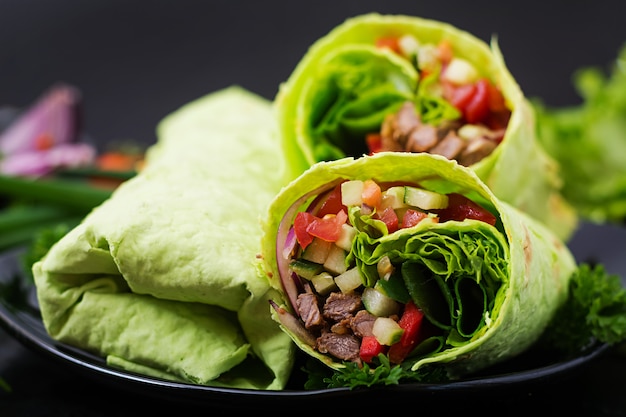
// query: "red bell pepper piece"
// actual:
[[411, 322], [370, 348]]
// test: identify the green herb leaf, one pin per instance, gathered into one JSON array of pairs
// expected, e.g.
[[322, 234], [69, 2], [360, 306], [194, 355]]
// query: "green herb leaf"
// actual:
[[380, 373], [595, 309]]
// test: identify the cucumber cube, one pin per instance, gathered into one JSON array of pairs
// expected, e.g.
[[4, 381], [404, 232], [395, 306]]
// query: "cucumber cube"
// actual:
[[424, 199], [323, 283], [347, 235], [317, 251], [336, 260], [352, 193], [387, 331], [349, 280], [378, 303], [305, 269], [393, 197], [460, 71]]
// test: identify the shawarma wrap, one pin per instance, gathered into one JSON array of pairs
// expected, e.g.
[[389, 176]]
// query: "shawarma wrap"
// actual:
[[411, 256], [162, 278], [402, 83]]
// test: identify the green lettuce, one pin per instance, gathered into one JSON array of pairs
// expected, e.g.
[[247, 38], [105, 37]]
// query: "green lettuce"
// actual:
[[589, 141]]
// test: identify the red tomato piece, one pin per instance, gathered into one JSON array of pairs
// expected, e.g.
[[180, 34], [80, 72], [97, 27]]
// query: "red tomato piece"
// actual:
[[461, 96], [478, 107], [374, 142], [411, 322], [371, 194], [370, 348], [391, 42], [332, 203], [327, 228], [461, 207], [444, 51], [300, 224], [412, 217], [390, 218], [496, 99]]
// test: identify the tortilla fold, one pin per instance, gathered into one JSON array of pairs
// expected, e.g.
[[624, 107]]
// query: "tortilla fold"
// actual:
[[162, 278], [518, 267], [345, 85]]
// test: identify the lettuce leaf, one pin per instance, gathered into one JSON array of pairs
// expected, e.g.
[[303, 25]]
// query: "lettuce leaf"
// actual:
[[589, 141]]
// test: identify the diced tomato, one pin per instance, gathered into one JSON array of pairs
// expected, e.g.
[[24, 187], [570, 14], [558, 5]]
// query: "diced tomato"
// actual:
[[411, 322], [390, 218], [478, 108], [496, 99], [332, 203], [371, 194], [327, 228], [444, 50], [300, 224], [460, 96], [370, 348], [374, 142], [412, 217], [391, 42], [461, 207]]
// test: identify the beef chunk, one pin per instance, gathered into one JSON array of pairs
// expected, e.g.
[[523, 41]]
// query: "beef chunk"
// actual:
[[309, 311], [362, 323], [339, 306], [342, 346]]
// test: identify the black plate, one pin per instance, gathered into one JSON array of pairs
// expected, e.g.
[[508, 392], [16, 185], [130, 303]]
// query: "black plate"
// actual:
[[19, 315]]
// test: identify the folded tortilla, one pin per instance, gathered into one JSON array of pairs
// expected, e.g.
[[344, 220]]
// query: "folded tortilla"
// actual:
[[488, 291], [345, 86], [162, 278]]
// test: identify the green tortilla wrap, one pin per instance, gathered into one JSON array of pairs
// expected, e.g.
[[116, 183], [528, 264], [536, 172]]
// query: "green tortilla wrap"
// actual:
[[162, 279], [487, 278], [347, 88]]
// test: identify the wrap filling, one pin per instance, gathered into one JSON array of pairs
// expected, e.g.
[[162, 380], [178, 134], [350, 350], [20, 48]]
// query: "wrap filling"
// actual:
[[375, 268]]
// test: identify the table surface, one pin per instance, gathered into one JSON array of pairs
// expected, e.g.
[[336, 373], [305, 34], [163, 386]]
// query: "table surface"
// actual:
[[136, 62]]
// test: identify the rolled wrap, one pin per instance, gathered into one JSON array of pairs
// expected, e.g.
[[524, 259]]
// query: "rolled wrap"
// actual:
[[162, 278], [346, 85], [487, 291]]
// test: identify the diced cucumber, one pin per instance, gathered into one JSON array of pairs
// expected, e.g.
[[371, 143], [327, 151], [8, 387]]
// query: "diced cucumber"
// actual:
[[336, 260], [306, 269], [347, 235], [323, 283], [349, 280], [424, 199], [352, 193], [378, 303], [460, 71], [393, 198], [317, 251], [387, 331]]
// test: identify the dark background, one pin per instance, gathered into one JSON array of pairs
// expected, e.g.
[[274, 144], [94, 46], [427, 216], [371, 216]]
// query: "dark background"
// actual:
[[137, 61]]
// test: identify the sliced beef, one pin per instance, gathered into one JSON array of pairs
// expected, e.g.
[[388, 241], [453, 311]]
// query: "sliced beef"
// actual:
[[362, 323], [339, 306], [309, 310], [342, 346], [404, 131]]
